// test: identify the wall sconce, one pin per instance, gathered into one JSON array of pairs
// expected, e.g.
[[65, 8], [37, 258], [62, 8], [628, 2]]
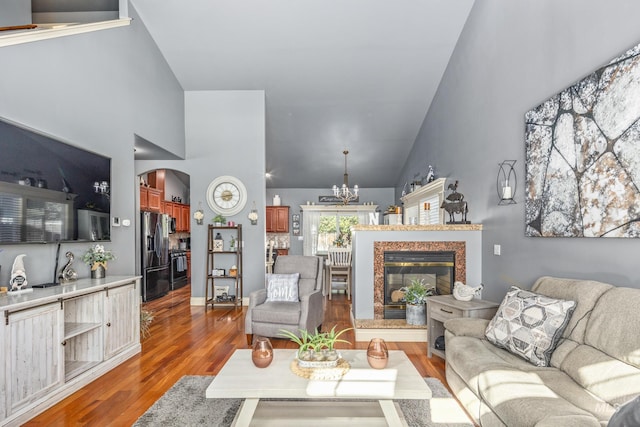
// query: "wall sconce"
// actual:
[[199, 214], [253, 215], [507, 183]]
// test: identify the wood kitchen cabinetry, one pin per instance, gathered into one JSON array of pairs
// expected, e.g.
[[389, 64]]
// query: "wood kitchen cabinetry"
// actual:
[[55, 341], [150, 199], [181, 213], [277, 219]]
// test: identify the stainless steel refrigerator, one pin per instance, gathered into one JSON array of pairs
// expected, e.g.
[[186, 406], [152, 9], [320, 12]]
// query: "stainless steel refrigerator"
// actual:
[[155, 255]]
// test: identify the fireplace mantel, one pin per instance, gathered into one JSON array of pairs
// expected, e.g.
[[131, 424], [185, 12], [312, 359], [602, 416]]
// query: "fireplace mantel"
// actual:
[[432, 227]]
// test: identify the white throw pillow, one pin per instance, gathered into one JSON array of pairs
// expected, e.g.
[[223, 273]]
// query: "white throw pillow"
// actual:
[[529, 325], [282, 287]]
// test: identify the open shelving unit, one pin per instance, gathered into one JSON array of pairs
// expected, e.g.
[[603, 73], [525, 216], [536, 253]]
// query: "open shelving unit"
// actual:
[[224, 259]]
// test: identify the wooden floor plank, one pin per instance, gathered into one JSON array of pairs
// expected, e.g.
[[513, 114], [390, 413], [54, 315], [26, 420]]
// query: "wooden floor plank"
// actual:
[[186, 340]]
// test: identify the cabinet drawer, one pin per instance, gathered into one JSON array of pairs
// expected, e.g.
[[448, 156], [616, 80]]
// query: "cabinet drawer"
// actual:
[[443, 312]]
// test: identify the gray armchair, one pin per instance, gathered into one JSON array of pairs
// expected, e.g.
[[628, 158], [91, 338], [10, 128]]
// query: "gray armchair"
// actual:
[[268, 318]]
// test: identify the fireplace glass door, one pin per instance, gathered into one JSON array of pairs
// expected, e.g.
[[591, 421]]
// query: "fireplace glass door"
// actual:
[[435, 268]]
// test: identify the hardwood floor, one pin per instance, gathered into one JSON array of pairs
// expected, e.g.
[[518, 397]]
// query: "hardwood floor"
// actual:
[[187, 341]]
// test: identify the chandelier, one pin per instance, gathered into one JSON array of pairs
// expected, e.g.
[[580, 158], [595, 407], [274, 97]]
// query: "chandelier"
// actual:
[[344, 193], [102, 187]]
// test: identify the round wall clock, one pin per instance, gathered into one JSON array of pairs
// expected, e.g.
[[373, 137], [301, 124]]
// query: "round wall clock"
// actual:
[[226, 195]]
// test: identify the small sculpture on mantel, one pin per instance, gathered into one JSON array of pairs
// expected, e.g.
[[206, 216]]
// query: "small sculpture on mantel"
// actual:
[[67, 273], [431, 175], [454, 204], [18, 279]]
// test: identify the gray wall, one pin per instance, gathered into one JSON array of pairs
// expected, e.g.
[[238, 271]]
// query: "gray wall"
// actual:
[[222, 127], [511, 56], [294, 197], [93, 90]]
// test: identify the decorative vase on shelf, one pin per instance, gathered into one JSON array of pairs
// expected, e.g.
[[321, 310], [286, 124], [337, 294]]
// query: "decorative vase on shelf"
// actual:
[[262, 353], [377, 353], [98, 270]]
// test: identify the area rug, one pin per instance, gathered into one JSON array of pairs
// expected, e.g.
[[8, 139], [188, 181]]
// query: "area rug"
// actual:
[[185, 404]]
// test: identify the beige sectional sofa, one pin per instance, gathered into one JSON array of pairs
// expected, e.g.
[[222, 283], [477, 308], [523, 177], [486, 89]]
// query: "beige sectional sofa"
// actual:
[[594, 368]]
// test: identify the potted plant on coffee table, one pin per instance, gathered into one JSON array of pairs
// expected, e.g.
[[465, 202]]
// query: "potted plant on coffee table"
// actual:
[[318, 349], [415, 297]]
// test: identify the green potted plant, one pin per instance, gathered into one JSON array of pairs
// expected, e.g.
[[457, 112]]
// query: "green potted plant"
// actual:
[[415, 297], [317, 349], [219, 220]]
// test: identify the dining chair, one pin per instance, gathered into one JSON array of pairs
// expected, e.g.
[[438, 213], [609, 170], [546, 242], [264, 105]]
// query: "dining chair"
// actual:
[[339, 266]]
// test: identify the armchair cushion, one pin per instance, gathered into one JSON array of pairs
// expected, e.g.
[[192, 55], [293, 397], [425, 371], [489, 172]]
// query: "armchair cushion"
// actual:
[[282, 287], [277, 312]]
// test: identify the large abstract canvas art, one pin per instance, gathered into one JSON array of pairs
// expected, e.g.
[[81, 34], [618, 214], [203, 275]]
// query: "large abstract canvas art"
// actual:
[[583, 156]]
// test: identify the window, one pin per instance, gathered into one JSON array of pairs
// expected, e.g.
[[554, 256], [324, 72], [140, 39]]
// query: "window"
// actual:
[[323, 225], [335, 230]]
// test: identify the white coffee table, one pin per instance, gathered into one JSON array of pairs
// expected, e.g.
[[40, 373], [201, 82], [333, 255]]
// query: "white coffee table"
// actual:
[[356, 392]]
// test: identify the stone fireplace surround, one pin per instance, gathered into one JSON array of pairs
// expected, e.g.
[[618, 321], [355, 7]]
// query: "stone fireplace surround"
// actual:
[[379, 248], [362, 298]]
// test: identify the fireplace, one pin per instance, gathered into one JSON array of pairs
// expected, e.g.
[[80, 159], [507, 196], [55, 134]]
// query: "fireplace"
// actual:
[[435, 268], [382, 247]]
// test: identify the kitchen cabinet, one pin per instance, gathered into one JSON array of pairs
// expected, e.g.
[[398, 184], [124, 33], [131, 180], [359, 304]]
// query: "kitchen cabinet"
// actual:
[[156, 179], [150, 199], [57, 340], [185, 216], [277, 219]]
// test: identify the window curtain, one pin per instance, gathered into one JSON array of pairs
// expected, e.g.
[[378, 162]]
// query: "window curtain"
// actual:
[[310, 222]]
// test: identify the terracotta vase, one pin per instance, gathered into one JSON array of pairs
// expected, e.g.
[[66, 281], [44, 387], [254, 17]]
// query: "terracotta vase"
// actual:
[[377, 353], [262, 353]]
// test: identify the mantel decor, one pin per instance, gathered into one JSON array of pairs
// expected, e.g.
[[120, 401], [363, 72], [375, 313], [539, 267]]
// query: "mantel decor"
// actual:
[[583, 156]]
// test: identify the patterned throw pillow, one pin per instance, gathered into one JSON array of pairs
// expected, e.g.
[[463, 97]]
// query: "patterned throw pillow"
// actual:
[[282, 287], [529, 325]]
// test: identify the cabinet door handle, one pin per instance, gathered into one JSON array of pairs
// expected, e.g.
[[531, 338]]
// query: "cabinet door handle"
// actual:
[[446, 311], [109, 324]]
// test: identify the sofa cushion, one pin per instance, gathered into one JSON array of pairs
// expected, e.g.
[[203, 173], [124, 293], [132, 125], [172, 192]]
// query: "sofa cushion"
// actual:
[[282, 287], [522, 398], [614, 325], [280, 312], [529, 325], [584, 292]]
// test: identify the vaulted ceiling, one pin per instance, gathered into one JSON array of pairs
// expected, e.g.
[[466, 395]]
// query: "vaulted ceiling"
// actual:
[[354, 74]]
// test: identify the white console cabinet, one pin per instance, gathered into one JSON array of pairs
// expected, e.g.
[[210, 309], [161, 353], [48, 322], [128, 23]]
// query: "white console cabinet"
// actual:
[[56, 340]]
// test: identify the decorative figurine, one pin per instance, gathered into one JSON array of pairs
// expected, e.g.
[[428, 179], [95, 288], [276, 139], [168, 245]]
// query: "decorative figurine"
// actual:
[[18, 279], [67, 273], [454, 204], [431, 175], [463, 292]]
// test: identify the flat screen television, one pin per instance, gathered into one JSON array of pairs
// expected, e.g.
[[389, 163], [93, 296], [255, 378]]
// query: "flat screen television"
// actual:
[[50, 191]]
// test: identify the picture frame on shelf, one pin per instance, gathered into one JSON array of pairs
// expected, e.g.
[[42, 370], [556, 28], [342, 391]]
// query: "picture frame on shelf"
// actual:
[[220, 290]]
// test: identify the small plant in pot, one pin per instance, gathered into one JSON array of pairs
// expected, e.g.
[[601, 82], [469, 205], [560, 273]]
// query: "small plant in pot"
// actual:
[[317, 349], [219, 220], [415, 295]]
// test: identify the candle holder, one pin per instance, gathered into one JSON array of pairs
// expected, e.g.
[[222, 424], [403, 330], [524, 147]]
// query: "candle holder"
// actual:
[[262, 353], [507, 183], [377, 353]]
